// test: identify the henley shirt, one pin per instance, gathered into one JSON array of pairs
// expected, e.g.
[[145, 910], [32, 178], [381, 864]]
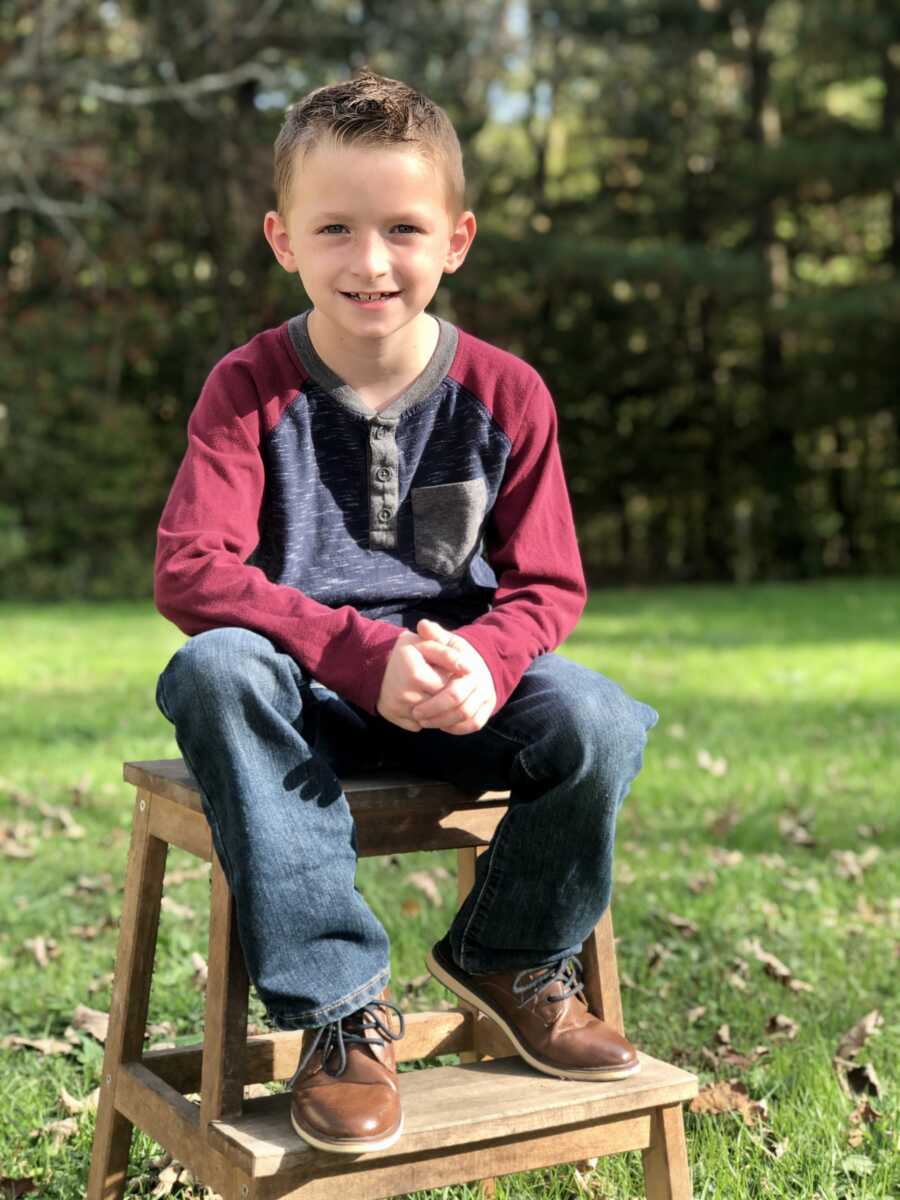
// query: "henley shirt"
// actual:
[[301, 513]]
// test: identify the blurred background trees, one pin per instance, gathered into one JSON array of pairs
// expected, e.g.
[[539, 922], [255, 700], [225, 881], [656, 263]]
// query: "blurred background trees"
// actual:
[[688, 222]]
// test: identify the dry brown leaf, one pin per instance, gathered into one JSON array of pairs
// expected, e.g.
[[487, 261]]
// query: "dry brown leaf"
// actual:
[[198, 962], [795, 831], [779, 1025], [857, 1036], [91, 1020], [715, 766], [103, 882], [723, 1035], [58, 1130], [183, 912], [864, 1112], [13, 839], [45, 1045], [684, 926], [725, 858], [425, 882], [43, 949], [856, 1079], [11, 1189], [657, 955], [173, 878], [699, 883], [724, 822], [851, 865], [775, 967], [410, 907], [694, 1014], [729, 1096], [73, 1105]]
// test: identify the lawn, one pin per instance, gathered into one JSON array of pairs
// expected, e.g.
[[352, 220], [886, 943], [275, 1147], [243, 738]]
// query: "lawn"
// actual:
[[756, 899]]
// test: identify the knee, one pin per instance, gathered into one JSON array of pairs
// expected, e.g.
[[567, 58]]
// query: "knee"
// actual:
[[215, 664], [606, 731]]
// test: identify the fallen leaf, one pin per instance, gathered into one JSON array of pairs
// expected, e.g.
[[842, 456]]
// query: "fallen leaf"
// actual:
[[728, 1096], [173, 878], [779, 1025], [775, 967], [725, 858], [794, 829], [856, 1037], [682, 924], [182, 911], [424, 881], [855, 1079], [91, 1020], [724, 822], [74, 1105], [851, 865], [43, 949], [715, 766], [11, 1189], [198, 962], [694, 1014], [59, 1130], [45, 1045]]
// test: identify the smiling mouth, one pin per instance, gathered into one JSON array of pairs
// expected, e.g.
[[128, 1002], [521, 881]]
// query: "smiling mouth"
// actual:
[[370, 296]]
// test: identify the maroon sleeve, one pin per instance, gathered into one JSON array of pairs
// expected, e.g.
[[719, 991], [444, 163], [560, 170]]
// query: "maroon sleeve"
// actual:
[[210, 525], [532, 547]]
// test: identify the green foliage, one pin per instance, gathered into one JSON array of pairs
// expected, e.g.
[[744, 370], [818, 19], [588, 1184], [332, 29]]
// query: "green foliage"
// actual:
[[687, 221]]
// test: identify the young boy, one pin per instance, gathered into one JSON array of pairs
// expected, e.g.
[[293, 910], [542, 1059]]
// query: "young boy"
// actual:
[[371, 543]]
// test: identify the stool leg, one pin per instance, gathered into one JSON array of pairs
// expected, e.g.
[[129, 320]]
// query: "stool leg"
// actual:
[[130, 1001], [225, 1021], [667, 1174], [466, 857], [601, 974]]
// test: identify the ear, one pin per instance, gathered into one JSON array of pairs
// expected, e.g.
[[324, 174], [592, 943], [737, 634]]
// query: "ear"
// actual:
[[460, 241], [279, 239]]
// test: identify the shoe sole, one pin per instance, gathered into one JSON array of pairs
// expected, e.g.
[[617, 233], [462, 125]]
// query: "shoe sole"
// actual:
[[348, 1145], [443, 975]]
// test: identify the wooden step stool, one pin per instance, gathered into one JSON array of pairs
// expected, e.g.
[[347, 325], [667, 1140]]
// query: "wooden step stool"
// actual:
[[491, 1115]]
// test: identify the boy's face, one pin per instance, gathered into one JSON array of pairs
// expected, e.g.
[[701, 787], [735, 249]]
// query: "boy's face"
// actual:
[[366, 219]]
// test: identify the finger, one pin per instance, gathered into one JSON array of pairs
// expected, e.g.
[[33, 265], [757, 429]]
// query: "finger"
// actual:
[[448, 707], [475, 722], [441, 654], [432, 630]]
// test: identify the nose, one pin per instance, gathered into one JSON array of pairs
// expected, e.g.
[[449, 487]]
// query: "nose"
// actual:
[[371, 258]]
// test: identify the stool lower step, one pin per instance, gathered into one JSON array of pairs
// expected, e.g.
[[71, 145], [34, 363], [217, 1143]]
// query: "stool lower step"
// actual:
[[463, 1109]]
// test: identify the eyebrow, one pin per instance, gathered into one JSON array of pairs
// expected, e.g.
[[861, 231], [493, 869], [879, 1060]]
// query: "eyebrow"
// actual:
[[411, 215]]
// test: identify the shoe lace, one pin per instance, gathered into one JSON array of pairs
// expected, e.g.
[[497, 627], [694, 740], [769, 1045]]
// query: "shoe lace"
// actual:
[[351, 1028], [561, 970]]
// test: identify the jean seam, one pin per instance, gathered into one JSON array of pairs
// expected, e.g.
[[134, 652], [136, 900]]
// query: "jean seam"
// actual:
[[380, 978]]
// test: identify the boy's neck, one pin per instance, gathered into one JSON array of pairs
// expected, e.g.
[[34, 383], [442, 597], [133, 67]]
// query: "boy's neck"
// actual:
[[371, 365]]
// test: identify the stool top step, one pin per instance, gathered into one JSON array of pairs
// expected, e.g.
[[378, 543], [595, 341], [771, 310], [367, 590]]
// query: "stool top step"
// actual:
[[380, 790], [460, 1106]]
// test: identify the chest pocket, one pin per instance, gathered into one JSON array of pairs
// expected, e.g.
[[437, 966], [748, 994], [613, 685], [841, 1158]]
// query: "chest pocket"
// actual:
[[446, 523]]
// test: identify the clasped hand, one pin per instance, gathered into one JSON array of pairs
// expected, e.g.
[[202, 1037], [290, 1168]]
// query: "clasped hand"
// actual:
[[436, 680]]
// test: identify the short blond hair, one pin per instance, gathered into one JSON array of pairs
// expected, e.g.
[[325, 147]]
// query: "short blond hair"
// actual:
[[370, 110]]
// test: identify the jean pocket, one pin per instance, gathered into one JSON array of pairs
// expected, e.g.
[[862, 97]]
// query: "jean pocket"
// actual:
[[447, 521]]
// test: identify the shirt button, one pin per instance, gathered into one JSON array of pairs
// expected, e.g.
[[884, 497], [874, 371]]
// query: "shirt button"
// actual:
[[385, 514], [383, 473]]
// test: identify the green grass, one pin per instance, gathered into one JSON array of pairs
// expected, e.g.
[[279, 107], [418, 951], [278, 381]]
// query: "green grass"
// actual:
[[796, 687]]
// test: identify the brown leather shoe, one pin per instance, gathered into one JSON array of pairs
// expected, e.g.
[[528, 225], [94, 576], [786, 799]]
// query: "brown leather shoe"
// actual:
[[542, 1011], [344, 1091]]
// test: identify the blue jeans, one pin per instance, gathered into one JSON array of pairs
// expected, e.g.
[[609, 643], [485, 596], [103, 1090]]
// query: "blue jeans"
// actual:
[[267, 745]]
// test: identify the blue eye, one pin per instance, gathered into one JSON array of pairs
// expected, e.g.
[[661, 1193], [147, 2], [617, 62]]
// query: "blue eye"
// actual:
[[325, 228]]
